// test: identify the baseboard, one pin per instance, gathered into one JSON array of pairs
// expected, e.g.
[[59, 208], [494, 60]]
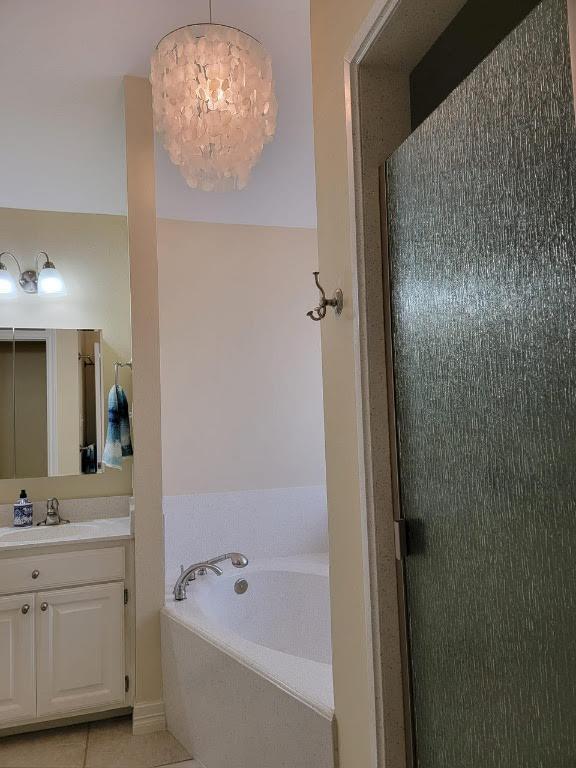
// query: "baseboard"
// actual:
[[148, 717], [47, 723]]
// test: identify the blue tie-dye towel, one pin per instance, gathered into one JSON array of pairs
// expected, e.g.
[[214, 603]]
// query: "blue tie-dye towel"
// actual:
[[118, 440]]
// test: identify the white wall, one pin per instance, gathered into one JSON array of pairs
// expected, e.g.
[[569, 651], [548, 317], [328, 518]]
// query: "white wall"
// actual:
[[242, 415], [62, 135]]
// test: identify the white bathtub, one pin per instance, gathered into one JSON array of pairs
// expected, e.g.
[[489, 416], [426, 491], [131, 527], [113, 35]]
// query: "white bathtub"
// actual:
[[248, 677]]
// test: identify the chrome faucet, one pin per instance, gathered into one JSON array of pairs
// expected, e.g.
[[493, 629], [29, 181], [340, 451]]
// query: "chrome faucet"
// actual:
[[52, 514], [237, 559], [189, 574], [201, 569]]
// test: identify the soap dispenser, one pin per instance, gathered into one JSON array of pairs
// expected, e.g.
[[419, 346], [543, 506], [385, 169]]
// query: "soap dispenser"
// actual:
[[23, 511]]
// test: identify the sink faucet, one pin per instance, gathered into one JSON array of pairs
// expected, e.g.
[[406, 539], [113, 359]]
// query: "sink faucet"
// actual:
[[52, 514], [189, 574]]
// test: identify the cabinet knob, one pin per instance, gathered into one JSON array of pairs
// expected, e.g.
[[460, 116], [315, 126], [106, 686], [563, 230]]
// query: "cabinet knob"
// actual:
[[35, 574], [43, 606], [25, 608]]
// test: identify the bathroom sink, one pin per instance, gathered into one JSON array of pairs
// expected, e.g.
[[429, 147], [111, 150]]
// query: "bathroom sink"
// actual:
[[50, 533]]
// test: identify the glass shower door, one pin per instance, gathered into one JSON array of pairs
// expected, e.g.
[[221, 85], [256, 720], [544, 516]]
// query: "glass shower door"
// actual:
[[482, 255]]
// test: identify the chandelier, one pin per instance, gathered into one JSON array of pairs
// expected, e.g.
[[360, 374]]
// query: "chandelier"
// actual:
[[214, 103]]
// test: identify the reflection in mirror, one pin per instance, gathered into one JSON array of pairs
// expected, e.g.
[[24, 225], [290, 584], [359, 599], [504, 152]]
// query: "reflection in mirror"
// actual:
[[7, 456], [31, 435], [51, 415]]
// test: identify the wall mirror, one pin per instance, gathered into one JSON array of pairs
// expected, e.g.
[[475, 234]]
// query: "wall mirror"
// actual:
[[51, 402], [57, 352]]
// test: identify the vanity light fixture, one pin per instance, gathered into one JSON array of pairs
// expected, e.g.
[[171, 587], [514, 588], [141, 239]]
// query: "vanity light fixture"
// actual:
[[214, 102], [7, 282], [50, 281], [46, 281]]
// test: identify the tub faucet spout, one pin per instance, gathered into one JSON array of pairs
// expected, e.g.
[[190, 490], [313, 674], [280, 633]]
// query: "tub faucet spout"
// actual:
[[189, 574]]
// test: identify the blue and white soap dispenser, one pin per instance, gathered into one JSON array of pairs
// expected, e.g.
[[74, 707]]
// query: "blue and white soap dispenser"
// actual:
[[23, 511]]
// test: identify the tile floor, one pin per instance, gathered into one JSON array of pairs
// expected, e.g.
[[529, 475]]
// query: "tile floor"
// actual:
[[105, 744]]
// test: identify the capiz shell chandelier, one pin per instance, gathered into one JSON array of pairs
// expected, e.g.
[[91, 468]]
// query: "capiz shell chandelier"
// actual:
[[214, 103]]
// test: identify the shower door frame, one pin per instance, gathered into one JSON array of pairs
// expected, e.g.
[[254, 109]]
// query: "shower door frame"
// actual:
[[375, 64]]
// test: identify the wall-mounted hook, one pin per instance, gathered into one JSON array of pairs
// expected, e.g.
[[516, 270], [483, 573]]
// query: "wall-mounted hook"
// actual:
[[337, 301], [119, 364]]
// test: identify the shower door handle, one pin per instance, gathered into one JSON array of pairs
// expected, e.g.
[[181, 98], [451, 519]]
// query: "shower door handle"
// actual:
[[401, 538]]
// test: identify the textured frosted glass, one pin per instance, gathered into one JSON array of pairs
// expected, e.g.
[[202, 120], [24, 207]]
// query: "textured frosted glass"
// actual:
[[483, 268]]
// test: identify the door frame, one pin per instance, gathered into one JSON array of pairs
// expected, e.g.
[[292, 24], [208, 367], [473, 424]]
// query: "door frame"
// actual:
[[393, 37]]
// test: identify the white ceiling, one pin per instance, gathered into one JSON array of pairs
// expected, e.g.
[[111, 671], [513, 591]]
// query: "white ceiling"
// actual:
[[61, 116]]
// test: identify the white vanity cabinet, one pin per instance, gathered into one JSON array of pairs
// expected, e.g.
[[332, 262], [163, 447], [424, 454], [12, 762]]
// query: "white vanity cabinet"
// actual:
[[63, 647], [17, 658], [80, 648]]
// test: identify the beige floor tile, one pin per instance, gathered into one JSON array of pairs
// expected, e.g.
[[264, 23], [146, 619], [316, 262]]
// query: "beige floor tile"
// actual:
[[185, 764], [111, 744], [57, 748]]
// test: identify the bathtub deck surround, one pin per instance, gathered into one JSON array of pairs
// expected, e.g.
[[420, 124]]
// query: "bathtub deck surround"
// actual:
[[268, 646], [279, 626]]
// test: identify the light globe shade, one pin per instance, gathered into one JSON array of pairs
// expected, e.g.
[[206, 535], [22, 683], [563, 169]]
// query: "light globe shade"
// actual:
[[7, 284], [50, 282], [214, 103]]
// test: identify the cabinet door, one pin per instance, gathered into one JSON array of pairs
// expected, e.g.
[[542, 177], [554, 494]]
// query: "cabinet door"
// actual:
[[80, 648], [17, 662]]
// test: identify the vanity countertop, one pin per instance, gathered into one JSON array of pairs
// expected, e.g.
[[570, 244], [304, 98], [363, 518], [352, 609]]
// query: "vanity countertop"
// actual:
[[69, 533]]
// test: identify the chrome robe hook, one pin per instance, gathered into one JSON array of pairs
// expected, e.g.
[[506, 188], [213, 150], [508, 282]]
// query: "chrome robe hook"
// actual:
[[337, 301]]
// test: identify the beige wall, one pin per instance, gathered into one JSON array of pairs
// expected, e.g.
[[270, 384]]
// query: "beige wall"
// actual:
[[147, 520], [240, 361], [91, 251], [333, 25]]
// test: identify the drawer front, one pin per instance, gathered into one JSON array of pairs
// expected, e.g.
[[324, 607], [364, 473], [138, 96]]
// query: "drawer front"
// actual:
[[35, 572]]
